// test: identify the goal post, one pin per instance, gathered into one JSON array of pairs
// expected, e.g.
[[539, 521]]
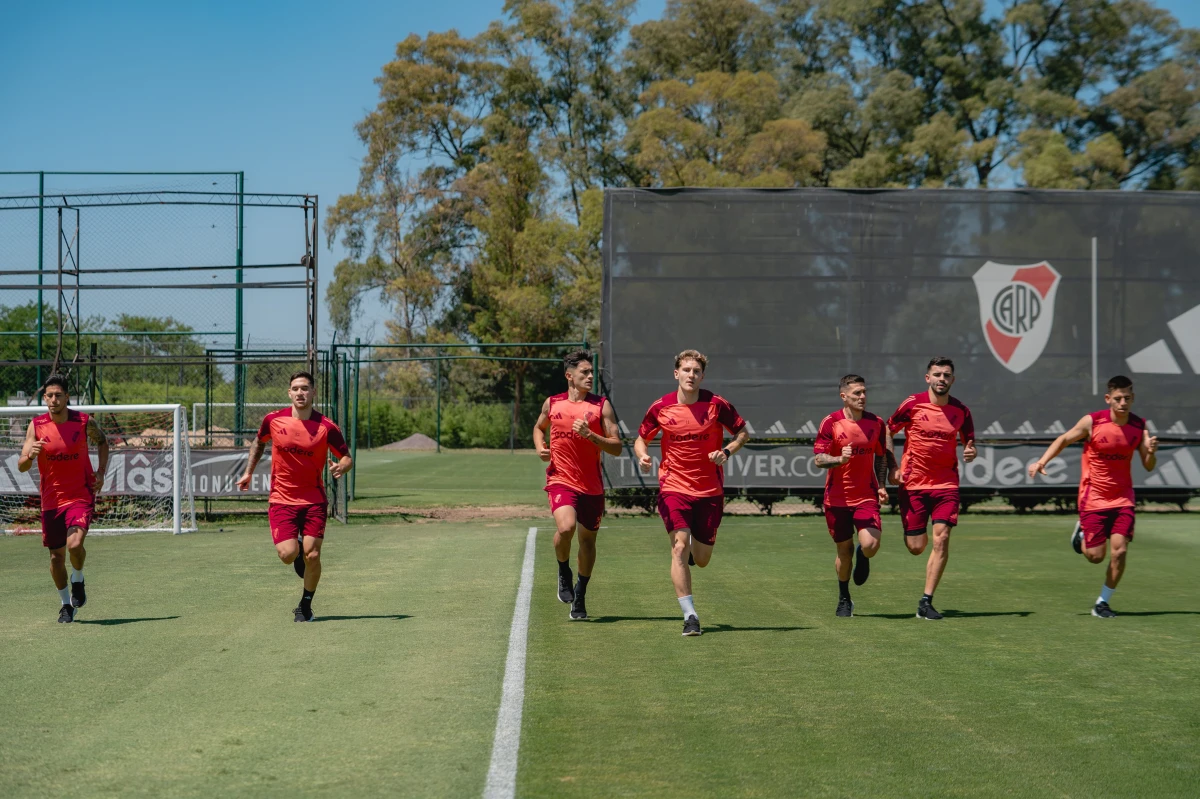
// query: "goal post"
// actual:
[[147, 485]]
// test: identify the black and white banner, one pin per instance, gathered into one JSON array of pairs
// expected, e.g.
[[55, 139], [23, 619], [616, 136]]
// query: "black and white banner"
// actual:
[[147, 472], [1002, 466]]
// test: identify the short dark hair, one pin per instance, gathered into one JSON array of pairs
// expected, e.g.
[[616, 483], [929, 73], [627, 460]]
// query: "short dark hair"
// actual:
[[573, 359], [57, 380], [306, 375], [939, 360], [1119, 382], [850, 380]]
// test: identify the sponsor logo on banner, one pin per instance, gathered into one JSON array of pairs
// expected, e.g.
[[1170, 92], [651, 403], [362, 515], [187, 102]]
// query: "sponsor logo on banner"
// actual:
[[1016, 309]]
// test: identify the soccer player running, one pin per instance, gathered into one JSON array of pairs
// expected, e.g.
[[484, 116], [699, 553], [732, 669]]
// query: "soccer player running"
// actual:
[[933, 422], [301, 440], [580, 426], [850, 444], [58, 442], [1106, 497], [691, 479]]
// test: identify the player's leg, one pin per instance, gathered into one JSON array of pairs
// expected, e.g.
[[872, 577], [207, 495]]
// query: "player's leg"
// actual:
[[1119, 529], [943, 510], [284, 521], [77, 554], [565, 522], [842, 565], [585, 562], [681, 578], [938, 557], [706, 519], [313, 529], [54, 539], [914, 516], [868, 523]]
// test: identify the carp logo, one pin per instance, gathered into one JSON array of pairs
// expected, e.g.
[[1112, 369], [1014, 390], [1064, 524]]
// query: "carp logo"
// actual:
[[1016, 309]]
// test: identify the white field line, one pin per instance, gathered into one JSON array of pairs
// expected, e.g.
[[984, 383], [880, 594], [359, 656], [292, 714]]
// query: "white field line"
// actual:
[[502, 771]]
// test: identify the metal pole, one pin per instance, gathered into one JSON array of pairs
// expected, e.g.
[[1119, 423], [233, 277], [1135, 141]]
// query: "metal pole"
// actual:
[[92, 386], [354, 418], [176, 464], [41, 248], [438, 388], [1095, 344], [239, 369], [512, 429]]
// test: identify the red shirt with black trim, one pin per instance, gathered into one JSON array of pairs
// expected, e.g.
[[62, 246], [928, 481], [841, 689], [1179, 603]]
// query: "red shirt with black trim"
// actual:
[[299, 449], [1107, 479], [65, 474], [575, 461], [854, 483], [690, 434], [931, 436]]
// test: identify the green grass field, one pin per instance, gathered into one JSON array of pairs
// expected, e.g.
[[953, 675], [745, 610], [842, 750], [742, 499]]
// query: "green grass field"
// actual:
[[187, 677], [450, 478]]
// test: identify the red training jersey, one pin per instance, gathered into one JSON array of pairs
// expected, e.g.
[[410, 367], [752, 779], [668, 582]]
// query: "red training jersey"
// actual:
[[1107, 479], [931, 435], [690, 434], [64, 468], [575, 461], [299, 448], [855, 483]]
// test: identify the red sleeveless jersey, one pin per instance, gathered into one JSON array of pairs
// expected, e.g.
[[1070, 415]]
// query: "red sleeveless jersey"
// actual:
[[575, 461], [1107, 479], [299, 448], [690, 434], [854, 483], [64, 468]]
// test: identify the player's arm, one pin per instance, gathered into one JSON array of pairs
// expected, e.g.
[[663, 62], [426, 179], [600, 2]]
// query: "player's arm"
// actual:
[[610, 442], [100, 442], [29, 450], [967, 433], [539, 432], [823, 458], [343, 465], [722, 456], [1148, 449], [256, 451], [900, 420], [641, 451], [1081, 430], [339, 447]]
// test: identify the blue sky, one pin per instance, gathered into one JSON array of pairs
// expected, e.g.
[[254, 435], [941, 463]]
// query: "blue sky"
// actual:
[[268, 87]]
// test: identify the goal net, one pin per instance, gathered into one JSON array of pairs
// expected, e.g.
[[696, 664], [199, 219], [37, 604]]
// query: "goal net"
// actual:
[[147, 486]]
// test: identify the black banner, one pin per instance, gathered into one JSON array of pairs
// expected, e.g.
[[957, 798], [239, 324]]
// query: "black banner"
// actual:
[[788, 290]]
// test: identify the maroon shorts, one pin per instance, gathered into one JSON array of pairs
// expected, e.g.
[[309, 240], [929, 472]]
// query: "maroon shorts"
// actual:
[[920, 505], [701, 515], [843, 522], [55, 523], [588, 507], [289, 522], [1098, 525]]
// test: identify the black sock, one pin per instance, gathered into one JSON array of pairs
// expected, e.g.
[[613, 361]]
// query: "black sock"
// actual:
[[564, 567], [583, 581], [306, 598], [927, 597], [844, 589]]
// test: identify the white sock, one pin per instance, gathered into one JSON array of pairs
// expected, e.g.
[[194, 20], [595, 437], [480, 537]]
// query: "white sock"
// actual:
[[65, 595], [685, 604], [1105, 594], [76, 575]]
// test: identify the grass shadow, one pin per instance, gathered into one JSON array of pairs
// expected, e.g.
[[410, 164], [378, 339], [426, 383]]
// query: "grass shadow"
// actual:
[[111, 622], [1152, 613], [729, 628], [611, 619], [396, 616], [949, 614]]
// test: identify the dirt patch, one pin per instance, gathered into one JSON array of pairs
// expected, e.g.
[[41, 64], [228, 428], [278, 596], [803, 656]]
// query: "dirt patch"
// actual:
[[415, 442]]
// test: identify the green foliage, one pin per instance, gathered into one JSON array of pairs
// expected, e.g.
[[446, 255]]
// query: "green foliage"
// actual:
[[464, 425]]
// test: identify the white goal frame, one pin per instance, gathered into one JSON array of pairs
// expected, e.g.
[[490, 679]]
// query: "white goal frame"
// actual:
[[181, 465]]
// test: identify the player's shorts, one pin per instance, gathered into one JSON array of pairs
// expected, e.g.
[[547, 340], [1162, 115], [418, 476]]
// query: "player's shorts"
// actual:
[[1099, 525], [701, 515], [920, 505], [842, 521], [289, 522], [589, 508], [56, 523]]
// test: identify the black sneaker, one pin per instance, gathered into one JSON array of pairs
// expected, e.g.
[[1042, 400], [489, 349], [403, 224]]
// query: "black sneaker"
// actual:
[[845, 607], [66, 614], [78, 595], [862, 566], [578, 608], [303, 613], [1077, 539], [298, 564], [691, 626], [566, 593], [1100, 610], [926, 610]]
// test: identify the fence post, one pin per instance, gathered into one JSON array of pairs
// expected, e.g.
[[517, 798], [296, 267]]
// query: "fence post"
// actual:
[[512, 429], [354, 418], [92, 382], [438, 388]]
